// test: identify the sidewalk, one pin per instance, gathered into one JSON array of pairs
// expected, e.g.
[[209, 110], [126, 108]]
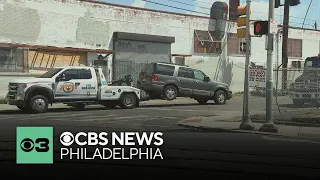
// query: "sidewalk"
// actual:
[[231, 123]]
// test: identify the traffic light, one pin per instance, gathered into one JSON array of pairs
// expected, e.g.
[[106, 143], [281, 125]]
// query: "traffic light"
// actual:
[[242, 21], [277, 3], [294, 2], [261, 28]]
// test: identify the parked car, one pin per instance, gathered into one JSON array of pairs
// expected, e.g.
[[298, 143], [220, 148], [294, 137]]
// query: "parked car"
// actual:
[[168, 81]]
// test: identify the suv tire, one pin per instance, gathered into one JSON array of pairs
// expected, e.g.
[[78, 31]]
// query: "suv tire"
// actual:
[[128, 101], [38, 104], [170, 92], [202, 101], [220, 97]]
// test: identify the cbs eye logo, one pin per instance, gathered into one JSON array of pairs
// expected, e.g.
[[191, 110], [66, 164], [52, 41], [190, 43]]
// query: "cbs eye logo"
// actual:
[[40, 145], [66, 138]]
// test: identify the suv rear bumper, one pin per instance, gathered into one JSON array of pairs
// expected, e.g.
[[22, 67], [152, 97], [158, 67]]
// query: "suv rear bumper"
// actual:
[[151, 88], [229, 94]]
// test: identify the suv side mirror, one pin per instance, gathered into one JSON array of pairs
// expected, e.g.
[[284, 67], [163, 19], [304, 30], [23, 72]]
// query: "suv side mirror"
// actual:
[[206, 78]]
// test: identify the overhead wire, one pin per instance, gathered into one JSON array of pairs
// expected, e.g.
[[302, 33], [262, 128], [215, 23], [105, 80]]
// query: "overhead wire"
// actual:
[[203, 13], [307, 13]]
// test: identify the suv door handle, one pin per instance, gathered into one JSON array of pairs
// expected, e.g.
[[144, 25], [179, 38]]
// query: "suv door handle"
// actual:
[[197, 82], [179, 79]]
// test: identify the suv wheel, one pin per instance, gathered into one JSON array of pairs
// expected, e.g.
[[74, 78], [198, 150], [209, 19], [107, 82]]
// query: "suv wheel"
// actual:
[[220, 97], [38, 104], [170, 92], [202, 101]]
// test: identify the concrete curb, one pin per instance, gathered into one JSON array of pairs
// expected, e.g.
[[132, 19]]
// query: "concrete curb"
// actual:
[[196, 125]]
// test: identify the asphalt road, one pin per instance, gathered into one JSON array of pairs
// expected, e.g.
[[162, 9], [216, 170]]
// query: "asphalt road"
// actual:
[[185, 150]]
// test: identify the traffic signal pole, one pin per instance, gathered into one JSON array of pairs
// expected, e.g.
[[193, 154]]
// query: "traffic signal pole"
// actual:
[[269, 126], [246, 121]]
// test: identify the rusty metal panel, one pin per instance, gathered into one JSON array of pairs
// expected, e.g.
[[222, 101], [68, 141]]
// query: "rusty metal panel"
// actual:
[[131, 56]]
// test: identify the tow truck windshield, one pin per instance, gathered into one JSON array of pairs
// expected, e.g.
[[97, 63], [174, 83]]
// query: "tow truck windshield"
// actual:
[[51, 73]]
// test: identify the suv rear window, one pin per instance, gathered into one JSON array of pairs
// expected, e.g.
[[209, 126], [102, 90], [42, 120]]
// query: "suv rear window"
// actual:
[[164, 69]]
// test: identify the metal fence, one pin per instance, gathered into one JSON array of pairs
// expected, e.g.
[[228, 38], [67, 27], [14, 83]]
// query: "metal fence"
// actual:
[[127, 67], [11, 60], [296, 94]]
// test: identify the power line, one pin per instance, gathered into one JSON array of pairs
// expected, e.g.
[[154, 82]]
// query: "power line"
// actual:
[[175, 7], [307, 13]]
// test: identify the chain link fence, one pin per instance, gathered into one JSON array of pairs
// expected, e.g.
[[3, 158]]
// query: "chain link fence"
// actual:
[[296, 95]]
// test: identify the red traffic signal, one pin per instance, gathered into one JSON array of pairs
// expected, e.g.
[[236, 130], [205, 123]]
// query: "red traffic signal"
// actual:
[[261, 28]]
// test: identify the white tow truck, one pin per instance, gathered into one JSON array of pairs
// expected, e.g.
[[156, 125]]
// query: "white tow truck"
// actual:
[[74, 86]]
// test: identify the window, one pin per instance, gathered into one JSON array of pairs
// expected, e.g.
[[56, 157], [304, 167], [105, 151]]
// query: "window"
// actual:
[[199, 75], [180, 60], [186, 73], [294, 47], [296, 64], [205, 42], [51, 73], [71, 74], [235, 45], [165, 69], [85, 74]]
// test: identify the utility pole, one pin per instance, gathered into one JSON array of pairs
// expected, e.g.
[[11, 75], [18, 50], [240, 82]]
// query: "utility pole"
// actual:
[[285, 29], [247, 123], [269, 126]]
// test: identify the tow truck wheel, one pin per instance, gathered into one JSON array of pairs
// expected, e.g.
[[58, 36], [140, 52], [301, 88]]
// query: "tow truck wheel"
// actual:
[[128, 101], [38, 104]]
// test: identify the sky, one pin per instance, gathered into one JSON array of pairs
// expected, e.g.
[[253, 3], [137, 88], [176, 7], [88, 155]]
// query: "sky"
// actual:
[[259, 9]]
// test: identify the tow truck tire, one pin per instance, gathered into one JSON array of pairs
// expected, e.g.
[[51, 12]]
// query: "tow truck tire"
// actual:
[[38, 104], [128, 101]]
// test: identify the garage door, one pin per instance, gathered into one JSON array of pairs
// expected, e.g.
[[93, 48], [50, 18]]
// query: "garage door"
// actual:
[[42, 60], [130, 56]]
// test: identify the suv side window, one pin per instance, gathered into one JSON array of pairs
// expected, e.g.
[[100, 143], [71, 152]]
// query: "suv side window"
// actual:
[[199, 75], [71, 74], [85, 74], [186, 73], [164, 69]]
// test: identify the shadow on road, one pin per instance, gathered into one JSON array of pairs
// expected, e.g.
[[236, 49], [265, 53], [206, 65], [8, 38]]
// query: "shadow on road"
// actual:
[[54, 110], [174, 105]]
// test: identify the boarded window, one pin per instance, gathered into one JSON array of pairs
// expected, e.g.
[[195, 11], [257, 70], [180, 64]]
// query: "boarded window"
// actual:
[[204, 42], [44, 60], [294, 47], [236, 46]]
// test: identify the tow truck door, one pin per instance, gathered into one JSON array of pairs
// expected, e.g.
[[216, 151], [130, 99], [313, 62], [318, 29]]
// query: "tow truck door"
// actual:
[[77, 84]]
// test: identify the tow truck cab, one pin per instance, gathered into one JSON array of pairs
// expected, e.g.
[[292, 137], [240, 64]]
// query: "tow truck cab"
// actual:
[[305, 88], [76, 86]]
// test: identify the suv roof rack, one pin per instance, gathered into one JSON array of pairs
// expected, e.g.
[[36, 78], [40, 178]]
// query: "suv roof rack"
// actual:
[[173, 64]]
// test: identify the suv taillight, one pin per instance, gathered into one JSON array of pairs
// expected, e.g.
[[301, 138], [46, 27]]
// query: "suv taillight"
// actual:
[[154, 77]]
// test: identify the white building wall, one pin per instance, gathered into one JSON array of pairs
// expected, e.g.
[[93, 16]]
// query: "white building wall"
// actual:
[[79, 24]]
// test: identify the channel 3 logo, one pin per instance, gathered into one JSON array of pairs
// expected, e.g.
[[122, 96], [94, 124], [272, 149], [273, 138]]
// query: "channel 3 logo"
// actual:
[[34, 145], [27, 145]]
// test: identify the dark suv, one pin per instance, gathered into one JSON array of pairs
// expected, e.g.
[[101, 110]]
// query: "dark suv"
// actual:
[[168, 81]]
